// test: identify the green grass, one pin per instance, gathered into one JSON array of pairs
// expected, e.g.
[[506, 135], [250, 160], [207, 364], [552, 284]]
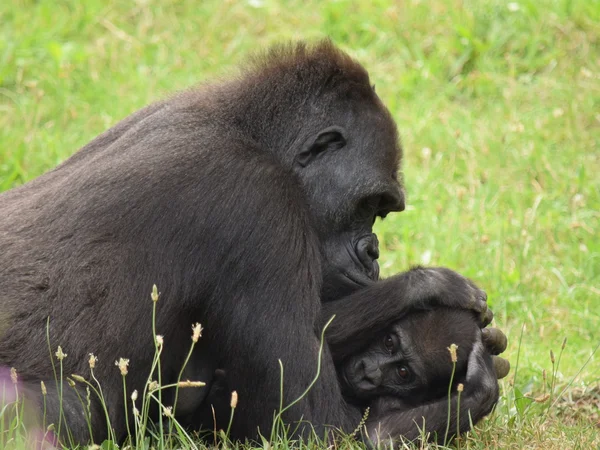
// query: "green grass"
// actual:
[[498, 106]]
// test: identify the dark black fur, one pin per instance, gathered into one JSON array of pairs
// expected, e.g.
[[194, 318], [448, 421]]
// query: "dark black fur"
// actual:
[[247, 202]]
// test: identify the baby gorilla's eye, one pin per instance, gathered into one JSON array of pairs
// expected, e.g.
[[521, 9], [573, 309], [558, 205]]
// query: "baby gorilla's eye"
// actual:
[[388, 343], [404, 373]]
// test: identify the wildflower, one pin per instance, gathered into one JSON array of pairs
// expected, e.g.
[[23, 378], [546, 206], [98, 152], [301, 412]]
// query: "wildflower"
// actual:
[[196, 332], [78, 378], [460, 387], [552, 356], [168, 411], [153, 386], [43, 386], [234, 399], [70, 382], [159, 340], [13, 375], [134, 395], [92, 361], [122, 364], [542, 398], [60, 355], [154, 294], [452, 349], [188, 383]]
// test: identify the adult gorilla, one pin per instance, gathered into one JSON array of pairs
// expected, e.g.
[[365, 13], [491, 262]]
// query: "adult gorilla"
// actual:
[[246, 202]]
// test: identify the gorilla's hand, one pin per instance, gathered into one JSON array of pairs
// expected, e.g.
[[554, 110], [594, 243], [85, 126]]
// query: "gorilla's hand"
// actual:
[[495, 343], [393, 418], [389, 300], [444, 287]]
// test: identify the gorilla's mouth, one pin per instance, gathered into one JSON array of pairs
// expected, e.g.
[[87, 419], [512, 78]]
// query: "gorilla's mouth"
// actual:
[[360, 278], [366, 253]]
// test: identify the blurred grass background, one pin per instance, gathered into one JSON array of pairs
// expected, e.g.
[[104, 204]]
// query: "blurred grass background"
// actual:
[[498, 106]]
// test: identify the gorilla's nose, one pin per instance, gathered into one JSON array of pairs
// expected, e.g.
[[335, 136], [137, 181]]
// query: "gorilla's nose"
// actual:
[[367, 250], [374, 376]]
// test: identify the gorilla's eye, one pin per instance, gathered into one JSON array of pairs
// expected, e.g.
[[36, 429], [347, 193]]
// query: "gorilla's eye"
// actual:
[[403, 373], [388, 343]]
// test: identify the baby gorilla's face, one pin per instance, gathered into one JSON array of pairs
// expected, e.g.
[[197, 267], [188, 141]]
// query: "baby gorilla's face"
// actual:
[[411, 360]]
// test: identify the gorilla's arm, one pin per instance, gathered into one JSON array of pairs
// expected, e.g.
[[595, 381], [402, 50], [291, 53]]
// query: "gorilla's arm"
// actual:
[[391, 417], [385, 302]]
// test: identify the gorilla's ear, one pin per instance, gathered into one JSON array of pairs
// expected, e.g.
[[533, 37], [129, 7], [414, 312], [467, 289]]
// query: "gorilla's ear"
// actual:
[[330, 138]]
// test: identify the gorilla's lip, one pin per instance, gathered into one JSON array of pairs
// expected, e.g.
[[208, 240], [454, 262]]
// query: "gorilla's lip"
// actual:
[[358, 279]]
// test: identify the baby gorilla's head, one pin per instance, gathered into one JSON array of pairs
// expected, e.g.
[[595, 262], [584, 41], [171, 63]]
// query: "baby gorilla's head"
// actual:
[[411, 359]]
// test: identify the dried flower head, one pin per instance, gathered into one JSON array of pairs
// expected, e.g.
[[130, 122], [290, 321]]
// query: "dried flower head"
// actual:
[[134, 395], [43, 386], [153, 386], [92, 361], [168, 411], [122, 364], [452, 349], [460, 387], [552, 356], [78, 378], [542, 398], [154, 294], [60, 355], [70, 382], [136, 412], [13, 375], [159, 340], [188, 383], [196, 332], [234, 399]]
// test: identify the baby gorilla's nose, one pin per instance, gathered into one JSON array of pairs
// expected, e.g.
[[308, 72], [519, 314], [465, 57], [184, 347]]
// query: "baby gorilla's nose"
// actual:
[[374, 376], [367, 250]]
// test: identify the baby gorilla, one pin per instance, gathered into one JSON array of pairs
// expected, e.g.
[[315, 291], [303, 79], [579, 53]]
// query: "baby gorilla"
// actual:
[[411, 360], [404, 376], [406, 368]]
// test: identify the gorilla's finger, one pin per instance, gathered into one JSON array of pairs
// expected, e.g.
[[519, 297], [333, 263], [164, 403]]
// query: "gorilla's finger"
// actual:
[[479, 301], [501, 366], [494, 340], [486, 318]]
